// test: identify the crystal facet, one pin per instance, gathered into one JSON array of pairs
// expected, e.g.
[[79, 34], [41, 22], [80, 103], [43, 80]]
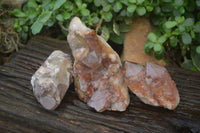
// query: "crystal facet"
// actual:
[[97, 70], [152, 84], [51, 81]]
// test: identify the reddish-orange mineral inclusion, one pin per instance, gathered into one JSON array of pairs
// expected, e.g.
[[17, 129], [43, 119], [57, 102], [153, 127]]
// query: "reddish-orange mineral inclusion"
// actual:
[[97, 70], [152, 84]]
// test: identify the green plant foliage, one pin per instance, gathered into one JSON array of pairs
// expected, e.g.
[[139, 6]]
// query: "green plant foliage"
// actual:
[[178, 31], [178, 22], [115, 14]]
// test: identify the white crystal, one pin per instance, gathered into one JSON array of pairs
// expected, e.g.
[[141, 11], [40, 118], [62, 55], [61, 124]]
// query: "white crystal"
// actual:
[[51, 81]]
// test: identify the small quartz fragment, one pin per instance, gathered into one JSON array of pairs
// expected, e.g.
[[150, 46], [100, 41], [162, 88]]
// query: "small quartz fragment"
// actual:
[[51, 81], [97, 70], [152, 84]]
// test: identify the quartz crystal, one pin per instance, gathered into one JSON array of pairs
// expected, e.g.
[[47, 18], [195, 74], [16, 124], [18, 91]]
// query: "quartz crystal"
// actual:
[[51, 81], [97, 70], [152, 84]]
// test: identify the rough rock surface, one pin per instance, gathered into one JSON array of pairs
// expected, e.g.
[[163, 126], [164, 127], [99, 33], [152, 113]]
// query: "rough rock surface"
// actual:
[[51, 81], [135, 39], [152, 84], [97, 70]]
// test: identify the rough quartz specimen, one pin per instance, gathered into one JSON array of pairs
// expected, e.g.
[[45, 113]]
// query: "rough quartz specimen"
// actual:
[[152, 84], [97, 70], [51, 81]]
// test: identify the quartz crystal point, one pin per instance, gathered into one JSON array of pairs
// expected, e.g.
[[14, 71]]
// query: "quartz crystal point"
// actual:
[[152, 84], [97, 70], [51, 81]]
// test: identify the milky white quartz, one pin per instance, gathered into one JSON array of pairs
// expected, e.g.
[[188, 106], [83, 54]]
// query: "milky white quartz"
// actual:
[[51, 81]]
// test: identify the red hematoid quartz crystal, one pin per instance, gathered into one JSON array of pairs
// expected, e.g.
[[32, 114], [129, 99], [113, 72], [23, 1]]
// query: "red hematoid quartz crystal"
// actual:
[[97, 70], [152, 84], [51, 81]]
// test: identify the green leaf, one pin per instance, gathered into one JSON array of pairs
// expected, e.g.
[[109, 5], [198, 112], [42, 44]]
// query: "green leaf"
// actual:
[[24, 36], [157, 10], [18, 13], [124, 28], [68, 5], [32, 3], [131, 8], [159, 55], [123, 13], [50, 22], [117, 6], [141, 11], [106, 8], [152, 37], [198, 3], [140, 1], [78, 3], [36, 27], [22, 21], [104, 2], [162, 39], [192, 34], [66, 15], [105, 33], [95, 20], [125, 2], [59, 17], [196, 61], [149, 8], [85, 12], [170, 24], [198, 50], [148, 46], [83, 6], [44, 17], [17, 27], [179, 19], [197, 27], [132, 1], [188, 22], [117, 39], [178, 2], [108, 17], [182, 10], [173, 41], [97, 3], [181, 28], [32, 15], [176, 32], [186, 38], [111, 1], [116, 28], [58, 4], [157, 48], [25, 28]]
